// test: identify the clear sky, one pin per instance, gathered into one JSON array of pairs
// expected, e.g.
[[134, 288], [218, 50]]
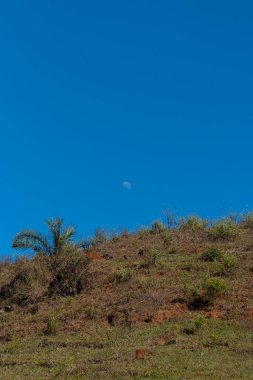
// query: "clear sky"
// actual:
[[97, 93]]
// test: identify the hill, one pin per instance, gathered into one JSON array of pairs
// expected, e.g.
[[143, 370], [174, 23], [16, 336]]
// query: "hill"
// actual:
[[160, 303]]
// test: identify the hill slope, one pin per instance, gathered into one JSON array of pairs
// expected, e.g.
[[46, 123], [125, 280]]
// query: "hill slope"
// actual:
[[156, 304]]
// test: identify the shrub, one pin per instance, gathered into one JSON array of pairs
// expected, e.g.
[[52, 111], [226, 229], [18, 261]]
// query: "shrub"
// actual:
[[27, 282], [227, 261], [204, 294], [69, 273], [199, 322], [151, 255], [157, 227], [224, 229], [212, 254], [123, 275], [193, 223], [228, 264], [194, 327], [214, 287]]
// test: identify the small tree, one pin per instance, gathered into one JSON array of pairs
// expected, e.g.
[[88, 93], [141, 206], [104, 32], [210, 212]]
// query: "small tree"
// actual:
[[50, 245], [61, 255]]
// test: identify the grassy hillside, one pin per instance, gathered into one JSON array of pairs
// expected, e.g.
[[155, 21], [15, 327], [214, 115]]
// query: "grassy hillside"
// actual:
[[156, 304]]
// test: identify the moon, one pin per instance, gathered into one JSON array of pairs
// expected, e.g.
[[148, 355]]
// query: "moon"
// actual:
[[127, 185]]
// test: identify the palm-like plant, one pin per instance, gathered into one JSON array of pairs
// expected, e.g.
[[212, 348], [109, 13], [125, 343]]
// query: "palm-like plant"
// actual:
[[52, 245]]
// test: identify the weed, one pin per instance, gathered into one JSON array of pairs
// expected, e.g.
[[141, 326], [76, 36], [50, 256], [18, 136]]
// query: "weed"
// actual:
[[204, 294], [123, 275], [229, 263], [90, 312], [212, 254], [52, 326], [157, 227], [151, 256], [224, 229], [193, 223], [214, 287], [215, 340], [194, 327], [199, 322]]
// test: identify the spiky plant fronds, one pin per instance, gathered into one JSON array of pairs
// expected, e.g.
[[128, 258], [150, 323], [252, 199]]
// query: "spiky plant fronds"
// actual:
[[52, 244]]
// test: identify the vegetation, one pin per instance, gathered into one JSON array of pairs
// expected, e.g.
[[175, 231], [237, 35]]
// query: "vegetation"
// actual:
[[225, 229], [58, 267], [119, 305], [193, 223], [157, 227], [212, 254]]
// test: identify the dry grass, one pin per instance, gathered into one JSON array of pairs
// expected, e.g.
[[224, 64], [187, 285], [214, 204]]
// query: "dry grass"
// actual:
[[136, 298]]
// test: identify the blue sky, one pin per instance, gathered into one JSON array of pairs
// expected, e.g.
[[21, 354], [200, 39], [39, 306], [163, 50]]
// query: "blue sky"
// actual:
[[94, 94]]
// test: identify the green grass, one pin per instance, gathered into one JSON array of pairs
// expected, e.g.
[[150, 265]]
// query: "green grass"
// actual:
[[219, 350]]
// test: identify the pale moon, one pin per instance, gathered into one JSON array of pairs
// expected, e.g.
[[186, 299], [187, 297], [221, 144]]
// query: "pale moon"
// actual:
[[127, 185]]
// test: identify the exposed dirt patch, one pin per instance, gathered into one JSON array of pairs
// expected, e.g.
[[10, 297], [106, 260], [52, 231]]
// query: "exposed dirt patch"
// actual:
[[166, 314], [94, 256]]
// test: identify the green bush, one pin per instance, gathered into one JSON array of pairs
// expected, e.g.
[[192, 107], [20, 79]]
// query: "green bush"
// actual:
[[123, 275], [204, 294], [199, 322], [157, 227], [212, 254], [228, 264], [151, 255], [193, 223], [224, 229], [214, 287], [227, 261], [196, 326]]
